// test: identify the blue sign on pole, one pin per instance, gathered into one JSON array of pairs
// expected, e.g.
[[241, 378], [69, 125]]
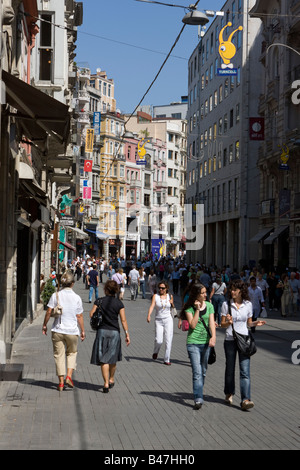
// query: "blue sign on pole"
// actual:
[[97, 122], [157, 247]]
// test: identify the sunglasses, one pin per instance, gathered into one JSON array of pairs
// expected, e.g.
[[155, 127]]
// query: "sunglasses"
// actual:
[[162, 287]]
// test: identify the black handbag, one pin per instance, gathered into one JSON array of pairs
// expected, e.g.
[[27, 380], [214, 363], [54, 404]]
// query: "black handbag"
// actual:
[[212, 355], [96, 319], [245, 343]]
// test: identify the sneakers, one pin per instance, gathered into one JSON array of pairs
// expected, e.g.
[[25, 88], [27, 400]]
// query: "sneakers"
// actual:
[[197, 405], [247, 404], [228, 399]]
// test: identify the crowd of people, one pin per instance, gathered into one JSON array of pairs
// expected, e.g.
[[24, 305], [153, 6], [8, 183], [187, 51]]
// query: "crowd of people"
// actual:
[[209, 298]]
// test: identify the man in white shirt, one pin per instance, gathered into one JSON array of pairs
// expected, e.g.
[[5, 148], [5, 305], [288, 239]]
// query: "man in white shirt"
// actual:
[[133, 282]]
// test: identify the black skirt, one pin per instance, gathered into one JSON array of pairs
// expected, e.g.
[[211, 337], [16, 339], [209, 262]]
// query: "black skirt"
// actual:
[[107, 347]]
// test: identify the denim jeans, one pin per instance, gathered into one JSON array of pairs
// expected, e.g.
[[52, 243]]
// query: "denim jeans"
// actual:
[[198, 354], [91, 293], [217, 301], [143, 289], [244, 363]]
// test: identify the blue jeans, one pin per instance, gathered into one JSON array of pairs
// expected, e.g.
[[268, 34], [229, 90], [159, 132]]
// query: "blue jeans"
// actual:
[[198, 354], [244, 362], [143, 289], [91, 292], [217, 301]]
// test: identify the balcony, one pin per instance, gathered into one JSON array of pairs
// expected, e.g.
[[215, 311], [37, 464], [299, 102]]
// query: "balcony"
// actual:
[[84, 118], [83, 96], [135, 184], [84, 74]]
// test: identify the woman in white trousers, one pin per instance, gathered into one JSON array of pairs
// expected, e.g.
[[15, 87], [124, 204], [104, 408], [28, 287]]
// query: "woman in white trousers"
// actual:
[[162, 302]]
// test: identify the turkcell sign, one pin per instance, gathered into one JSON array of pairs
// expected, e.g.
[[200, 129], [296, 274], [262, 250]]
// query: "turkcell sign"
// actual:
[[97, 122], [226, 72]]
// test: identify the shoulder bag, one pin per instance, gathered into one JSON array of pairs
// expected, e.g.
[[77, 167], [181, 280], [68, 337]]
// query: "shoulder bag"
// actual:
[[212, 355], [96, 319], [245, 343], [58, 310]]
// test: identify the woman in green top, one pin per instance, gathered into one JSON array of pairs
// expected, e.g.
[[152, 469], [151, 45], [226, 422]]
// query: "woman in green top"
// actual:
[[198, 339]]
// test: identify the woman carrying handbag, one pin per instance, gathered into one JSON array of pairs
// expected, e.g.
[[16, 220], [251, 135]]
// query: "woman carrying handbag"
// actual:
[[239, 317], [201, 337]]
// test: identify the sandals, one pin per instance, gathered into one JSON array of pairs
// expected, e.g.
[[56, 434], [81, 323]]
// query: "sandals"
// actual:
[[69, 382], [60, 387]]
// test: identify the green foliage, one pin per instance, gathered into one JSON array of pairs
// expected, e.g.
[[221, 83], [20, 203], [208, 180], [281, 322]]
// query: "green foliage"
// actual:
[[48, 290]]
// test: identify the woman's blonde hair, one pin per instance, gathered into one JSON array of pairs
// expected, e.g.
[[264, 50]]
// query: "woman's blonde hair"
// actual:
[[67, 279]]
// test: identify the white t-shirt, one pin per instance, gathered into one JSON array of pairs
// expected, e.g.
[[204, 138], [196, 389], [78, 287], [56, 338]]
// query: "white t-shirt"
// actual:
[[219, 288], [72, 305], [240, 317]]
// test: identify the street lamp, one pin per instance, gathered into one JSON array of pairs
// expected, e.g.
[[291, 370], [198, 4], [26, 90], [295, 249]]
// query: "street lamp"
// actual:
[[195, 17]]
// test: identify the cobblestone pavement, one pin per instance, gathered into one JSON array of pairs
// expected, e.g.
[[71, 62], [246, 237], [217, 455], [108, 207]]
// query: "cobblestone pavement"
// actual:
[[151, 406]]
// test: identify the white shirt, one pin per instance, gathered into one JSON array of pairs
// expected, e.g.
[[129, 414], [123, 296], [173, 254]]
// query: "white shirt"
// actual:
[[162, 306], [72, 306], [256, 296], [240, 316]]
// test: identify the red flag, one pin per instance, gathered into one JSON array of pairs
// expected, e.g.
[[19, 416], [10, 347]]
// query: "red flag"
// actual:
[[88, 165]]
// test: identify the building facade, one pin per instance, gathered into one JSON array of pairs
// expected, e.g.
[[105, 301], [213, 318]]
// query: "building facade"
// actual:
[[278, 237], [222, 152], [36, 161]]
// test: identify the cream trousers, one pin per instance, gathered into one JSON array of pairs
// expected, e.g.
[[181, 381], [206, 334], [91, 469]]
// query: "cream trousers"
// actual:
[[64, 345]]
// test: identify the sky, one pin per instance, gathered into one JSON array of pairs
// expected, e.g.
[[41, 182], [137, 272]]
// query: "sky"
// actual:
[[130, 41]]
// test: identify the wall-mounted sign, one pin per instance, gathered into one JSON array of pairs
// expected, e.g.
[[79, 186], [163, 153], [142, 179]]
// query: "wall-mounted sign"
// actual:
[[89, 140], [88, 165], [227, 51], [142, 152], [97, 122], [256, 128], [285, 155]]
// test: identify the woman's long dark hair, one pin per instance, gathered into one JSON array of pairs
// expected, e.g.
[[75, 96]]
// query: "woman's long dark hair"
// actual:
[[239, 284], [193, 295]]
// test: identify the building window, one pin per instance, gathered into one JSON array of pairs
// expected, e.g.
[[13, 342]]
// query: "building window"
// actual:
[[46, 48]]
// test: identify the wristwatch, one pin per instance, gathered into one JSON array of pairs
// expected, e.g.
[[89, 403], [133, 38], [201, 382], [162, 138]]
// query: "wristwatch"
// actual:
[[126, 332]]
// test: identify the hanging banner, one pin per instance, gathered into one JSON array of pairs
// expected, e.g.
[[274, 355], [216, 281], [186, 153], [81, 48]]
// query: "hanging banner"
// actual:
[[89, 140], [227, 51], [142, 152], [257, 128], [157, 247], [88, 165], [97, 122]]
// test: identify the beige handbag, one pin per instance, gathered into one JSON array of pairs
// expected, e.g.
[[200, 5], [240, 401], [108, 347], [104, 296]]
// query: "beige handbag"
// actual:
[[57, 311]]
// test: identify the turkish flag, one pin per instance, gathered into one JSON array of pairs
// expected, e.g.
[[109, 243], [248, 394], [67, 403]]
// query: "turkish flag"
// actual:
[[88, 165]]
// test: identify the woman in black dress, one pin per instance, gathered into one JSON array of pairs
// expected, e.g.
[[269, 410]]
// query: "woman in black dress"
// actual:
[[107, 345]]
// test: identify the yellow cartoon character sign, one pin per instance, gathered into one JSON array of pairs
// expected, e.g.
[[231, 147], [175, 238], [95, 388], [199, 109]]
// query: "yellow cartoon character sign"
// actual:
[[285, 155], [227, 51], [142, 152]]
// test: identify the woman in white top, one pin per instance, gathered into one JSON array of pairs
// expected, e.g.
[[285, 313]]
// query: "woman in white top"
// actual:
[[241, 317], [65, 329], [217, 297], [162, 302], [142, 282]]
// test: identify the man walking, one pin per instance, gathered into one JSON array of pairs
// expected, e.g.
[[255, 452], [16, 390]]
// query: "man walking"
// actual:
[[133, 282], [93, 282]]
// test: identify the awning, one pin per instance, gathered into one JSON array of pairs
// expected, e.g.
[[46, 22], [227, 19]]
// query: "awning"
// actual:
[[100, 235], [260, 235], [79, 233], [38, 113], [67, 245], [275, 234]]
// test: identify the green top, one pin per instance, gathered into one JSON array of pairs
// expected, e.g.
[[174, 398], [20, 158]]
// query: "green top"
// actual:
[[199, 335]]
